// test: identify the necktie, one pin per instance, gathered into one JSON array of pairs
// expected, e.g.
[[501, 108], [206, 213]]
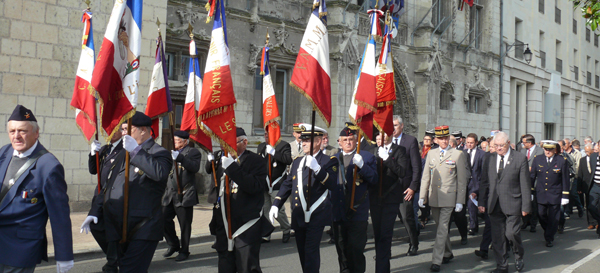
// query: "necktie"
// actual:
[[501, 167], [396, 141], [548, 159], [470, 157], [441, 155], [299, 148], [528, 153]]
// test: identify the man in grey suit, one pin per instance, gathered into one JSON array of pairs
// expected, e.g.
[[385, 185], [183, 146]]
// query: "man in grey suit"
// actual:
[[531, 151], [444, 188], [506, 201]]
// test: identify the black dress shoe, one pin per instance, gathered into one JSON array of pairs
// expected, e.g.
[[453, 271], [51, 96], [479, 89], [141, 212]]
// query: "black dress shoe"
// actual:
[[580, 213], [170, 251], [532, 229], [472, 232], [519, 264], [266, 240], [561, 229], [331, 241], [182, 256], [435, 268], [463, 241], [286, 237], [498, 270], [482, 254], [446, 260], [412, 251], [524, 225], [549, 244]]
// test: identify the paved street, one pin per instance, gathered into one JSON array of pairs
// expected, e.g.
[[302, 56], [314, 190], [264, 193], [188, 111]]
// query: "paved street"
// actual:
[[570, 247]]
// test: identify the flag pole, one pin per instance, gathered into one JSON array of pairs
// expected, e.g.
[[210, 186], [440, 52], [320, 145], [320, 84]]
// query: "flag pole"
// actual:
[[312, 143], [355, 173], [381, 168], [126, 189], [87, 2], [227, 201], [267, 128]]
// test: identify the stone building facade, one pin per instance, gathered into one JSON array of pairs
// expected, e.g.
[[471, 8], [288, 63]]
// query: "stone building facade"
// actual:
[[446, 62]]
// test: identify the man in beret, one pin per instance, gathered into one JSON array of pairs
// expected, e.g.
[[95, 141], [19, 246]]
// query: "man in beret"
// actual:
[[247, 173], [32, 188], [149, 168], [111, 155], [310, 214], [280, 158], [180, 201], [444, 187], [350, 221]]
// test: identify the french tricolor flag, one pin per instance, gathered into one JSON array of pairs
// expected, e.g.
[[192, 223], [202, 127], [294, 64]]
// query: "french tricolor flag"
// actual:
[[385, 86], [311, 75], [217, 98], [159, 97], [189, 119], [270, 109], [83, 99], [364, 99], [116, 75]]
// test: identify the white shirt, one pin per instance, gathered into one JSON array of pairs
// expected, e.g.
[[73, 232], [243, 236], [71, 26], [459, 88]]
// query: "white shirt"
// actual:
[[388, 146], [473, 151], [344, 153], [26, 153], [549, 159], [505, 160]]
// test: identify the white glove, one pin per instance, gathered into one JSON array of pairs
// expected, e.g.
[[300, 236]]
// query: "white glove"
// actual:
[[270, 150], [383, 153], [458, 208], [95, 147], [63, 266], [174, 154], [86, 223], [421, 203], [210, 157], [273, 214], [532, 197], [358, 160], [312, 163], [564, 201], [226, 160], [129, 143]]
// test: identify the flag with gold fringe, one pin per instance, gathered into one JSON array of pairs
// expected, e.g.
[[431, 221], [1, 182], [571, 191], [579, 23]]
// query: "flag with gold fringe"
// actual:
[[270, 109], [385, 84]]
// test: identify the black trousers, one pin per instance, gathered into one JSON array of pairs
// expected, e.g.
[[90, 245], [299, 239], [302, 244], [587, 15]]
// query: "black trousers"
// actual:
[[350, 240], [549, 219], [473, 212], [100, 237], [383, 217], [486, 238], [594, 206], [242, 259], [533, 217], [505, 228], [407, 213], [585, 197], [185, 216], [308, 240], [134, 256], [460, 219]]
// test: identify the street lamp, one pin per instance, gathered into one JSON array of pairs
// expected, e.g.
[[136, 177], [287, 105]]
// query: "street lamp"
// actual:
[[527, 54]]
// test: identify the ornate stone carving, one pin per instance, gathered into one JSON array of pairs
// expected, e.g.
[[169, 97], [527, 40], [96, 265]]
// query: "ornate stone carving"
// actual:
[[281, 35], [348, 47], [187, 16], [406, 104], [447, 86], [477, 87]]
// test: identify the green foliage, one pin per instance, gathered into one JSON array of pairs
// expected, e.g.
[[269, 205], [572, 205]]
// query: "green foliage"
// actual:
[[590, 10]]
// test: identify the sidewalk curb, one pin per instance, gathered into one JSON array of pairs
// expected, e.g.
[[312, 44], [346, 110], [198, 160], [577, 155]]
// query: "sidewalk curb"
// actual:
[[95, 253]]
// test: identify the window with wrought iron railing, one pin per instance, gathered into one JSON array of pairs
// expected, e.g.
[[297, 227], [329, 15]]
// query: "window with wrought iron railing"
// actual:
[[575, 26], [557, 15], [559, 65], [588, 34]]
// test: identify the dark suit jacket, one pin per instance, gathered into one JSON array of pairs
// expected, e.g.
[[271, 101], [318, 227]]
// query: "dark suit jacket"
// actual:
[[188, 162], [537, 151], [283, 158], [391, 174], [341, 194], [23, 220], [553, 179], [584, 177], [108, 160], [148, 174], [512, 190], [320, 184], [414, 168], [213, 191], [476, 171]]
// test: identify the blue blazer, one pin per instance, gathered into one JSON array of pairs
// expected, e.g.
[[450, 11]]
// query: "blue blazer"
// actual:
[[23, 221], [340, 195], [476, 171]]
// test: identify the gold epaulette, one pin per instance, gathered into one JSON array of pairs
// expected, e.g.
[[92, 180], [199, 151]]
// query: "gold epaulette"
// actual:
[[332, 157]]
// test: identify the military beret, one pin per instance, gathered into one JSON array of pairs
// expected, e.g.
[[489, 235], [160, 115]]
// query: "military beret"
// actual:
[[140, 119], [22, 114], [239, 131], [350, 130], [182, 134]]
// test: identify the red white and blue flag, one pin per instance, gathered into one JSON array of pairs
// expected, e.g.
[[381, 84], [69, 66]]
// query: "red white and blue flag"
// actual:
[[469, 2], [84, 100], [189, 119], [270, 109], [116, 75], [159, 97], [217, 99], [311, 75], [364, 98], [385, 85]]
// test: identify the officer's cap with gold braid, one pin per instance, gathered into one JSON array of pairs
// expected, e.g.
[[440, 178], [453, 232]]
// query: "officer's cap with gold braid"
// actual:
[[305, 130], [296, 127], [442, 131], [350, 130], [549, 144], [22, 114]]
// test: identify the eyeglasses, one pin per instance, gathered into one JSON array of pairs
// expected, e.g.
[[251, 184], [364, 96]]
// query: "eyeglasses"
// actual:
[[499, 146], [240, 141]]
